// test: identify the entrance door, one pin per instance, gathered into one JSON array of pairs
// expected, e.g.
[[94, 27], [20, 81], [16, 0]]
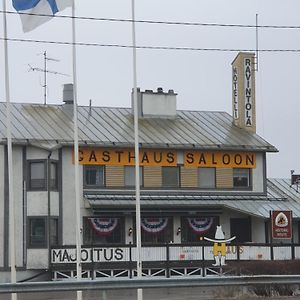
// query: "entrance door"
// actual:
[[241, 228]]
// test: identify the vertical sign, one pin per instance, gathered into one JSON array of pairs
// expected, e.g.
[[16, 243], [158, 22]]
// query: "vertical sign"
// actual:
[[248, 91], [281, 224], [235, 93]]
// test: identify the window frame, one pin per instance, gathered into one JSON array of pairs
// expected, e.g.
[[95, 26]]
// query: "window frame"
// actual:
[[178, 177], [93, 186], [42, 187]]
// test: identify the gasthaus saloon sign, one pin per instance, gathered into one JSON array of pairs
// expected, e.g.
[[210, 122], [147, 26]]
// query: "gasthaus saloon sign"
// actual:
[[152, 157]]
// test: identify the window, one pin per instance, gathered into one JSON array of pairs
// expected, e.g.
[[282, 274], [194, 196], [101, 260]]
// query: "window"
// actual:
[[38, 232], [170, 177], [93, 176], [53, 175], [241, 229], [37, 175], [130, 176], [207, 177], [103, 230], [241, 177], [54, 231], [194, 227], [156, 230]]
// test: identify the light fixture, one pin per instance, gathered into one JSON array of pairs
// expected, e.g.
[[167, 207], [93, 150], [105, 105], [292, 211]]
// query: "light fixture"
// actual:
[[178, 231], [130, 231]]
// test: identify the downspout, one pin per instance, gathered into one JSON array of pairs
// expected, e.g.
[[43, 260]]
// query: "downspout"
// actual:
[[49, 209]]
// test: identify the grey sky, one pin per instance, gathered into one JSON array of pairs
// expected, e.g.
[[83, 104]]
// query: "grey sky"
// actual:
[[201, 79]]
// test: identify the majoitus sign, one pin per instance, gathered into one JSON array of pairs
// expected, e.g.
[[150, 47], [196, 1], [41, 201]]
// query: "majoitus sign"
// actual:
[[89, 255], [153, 157]]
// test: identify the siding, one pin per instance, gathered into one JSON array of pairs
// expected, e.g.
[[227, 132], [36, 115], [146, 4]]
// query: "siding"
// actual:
[[189, 177], [224, 178], [152, 177], [114, 176]]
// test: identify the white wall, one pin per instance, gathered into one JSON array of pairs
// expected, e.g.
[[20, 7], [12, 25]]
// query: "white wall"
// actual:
[[258, 230], [1, 205], [37, 258], [18, 198], [258, 174], [68, 196]]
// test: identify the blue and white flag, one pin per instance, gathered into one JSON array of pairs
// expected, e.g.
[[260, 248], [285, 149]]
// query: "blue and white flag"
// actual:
[[43, 7]]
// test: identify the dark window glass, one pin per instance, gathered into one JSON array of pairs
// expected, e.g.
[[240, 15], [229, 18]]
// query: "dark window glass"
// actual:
[[37, 232], [103, 230], [241, 229], [37, 175], [157, 230], [195, 228], [207, 177], [241, 177], [93, 176], [170, 177]]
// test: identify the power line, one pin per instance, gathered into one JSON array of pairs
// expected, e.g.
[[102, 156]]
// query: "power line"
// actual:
[[159, 22], [149, 47]]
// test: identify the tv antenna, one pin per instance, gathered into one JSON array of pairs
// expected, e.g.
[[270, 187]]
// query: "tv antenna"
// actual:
[[45, 71]]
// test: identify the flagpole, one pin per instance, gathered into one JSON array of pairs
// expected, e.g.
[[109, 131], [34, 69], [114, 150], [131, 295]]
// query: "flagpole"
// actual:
[[76, 160], [12, 246], [136, 151]]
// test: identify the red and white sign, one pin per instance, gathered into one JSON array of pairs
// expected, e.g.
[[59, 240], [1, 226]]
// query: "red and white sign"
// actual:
[[281, 224]]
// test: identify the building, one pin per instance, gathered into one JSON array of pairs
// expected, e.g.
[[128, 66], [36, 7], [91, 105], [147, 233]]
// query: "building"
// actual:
[[197, 170]]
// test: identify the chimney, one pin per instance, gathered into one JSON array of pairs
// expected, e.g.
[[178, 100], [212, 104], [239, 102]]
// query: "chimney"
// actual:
[[243, 91], [68, 96], [159, 104]]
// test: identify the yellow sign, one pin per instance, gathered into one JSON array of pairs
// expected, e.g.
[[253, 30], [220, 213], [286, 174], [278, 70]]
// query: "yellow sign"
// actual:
[[125, 157], [219, 159]]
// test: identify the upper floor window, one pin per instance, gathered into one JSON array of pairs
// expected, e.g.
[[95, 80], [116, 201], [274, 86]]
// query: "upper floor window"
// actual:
[[170, 177], [93, 176], [241, 177], [37, 175], [207, 177], [129, 176]]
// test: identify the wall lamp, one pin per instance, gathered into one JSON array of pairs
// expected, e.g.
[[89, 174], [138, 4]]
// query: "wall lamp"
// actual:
[[130, 231], [178, 231]]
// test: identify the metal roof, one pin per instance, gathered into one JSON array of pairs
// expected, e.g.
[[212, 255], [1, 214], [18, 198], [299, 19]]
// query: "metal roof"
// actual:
[[52, 125], [280, 196]]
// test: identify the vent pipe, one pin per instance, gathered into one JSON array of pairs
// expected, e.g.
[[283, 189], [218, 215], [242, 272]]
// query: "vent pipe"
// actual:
[[68, 94]]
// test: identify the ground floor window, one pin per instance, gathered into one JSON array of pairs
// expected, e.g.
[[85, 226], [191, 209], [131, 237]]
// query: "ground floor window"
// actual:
[[38, 232], [156, 230], [193, 229], [103, 230], [241, 229]]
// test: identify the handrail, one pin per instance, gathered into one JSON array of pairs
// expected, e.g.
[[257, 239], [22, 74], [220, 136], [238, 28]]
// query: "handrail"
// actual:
[[120, 283]]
